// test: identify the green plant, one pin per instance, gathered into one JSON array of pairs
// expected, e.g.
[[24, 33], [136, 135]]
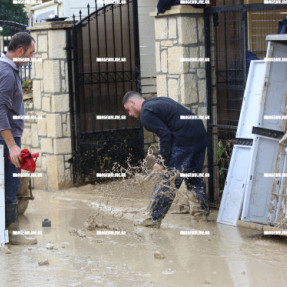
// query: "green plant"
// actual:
[[223, 156], [27, 86]]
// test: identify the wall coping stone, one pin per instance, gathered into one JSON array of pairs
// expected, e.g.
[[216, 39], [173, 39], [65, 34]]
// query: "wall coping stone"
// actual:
[[57, 25], [178, 9]]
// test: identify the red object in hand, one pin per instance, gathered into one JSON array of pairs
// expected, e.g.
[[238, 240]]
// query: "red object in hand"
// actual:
[[27, 162]]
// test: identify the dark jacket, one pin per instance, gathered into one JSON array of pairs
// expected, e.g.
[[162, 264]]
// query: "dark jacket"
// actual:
[[282, 26], [162, 116]]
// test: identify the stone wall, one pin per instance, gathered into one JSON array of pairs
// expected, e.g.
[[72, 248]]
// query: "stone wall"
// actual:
[[51, 135], [179, 36]]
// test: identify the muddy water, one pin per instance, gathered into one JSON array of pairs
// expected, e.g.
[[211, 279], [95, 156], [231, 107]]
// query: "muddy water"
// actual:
[[228, 256]]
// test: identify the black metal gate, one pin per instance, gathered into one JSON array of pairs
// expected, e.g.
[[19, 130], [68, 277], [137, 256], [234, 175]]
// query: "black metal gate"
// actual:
[[12, 27], [235, 35], [104, 63]]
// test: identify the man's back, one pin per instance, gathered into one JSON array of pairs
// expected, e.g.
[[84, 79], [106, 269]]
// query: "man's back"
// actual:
[[161, 111]]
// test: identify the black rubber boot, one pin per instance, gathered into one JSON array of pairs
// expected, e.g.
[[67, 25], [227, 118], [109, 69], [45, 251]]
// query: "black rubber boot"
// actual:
[[11, 223]]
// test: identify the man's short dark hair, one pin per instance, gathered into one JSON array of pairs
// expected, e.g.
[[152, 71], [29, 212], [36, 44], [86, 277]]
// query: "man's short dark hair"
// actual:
[[21, 39], [131, 95]]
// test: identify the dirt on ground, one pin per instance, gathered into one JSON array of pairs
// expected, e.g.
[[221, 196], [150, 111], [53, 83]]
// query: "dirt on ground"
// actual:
[[93, 241]]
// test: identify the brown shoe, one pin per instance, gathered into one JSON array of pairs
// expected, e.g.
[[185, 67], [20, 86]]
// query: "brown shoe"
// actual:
[[199, 214], [194, 207], [148, 222]]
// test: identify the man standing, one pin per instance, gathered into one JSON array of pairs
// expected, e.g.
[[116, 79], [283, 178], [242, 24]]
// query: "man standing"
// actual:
[[182, 149], [21, 47]]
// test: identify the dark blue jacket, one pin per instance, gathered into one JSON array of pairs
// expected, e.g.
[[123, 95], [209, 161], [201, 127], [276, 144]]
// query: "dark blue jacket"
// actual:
[[162, 116], [282, 26]]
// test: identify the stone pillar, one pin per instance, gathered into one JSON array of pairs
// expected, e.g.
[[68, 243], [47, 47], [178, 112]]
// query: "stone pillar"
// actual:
[[180, 56], [51, 135]]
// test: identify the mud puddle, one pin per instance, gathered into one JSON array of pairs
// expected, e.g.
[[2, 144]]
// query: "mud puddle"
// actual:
[[81, 252]]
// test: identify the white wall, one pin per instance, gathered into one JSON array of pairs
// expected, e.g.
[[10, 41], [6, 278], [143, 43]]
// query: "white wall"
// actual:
[[63, 8], [71, 7], [147, 45]]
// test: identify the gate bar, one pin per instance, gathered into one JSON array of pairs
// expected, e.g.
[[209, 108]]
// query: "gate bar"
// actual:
[[69, 49], [209, 110], [91, 90]]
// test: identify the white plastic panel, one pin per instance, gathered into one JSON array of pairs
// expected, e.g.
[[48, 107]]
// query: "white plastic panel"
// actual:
[[276, 89], [259, 186], [277, 205], [233, 194], [252, 101], [265, 95]]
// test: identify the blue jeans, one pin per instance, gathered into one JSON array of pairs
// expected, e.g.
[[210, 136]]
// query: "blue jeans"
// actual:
[[11, 183], [184, 160]]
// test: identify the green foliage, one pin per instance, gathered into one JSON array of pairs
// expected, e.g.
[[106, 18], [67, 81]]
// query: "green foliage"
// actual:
[[27, 86], [11, 12], [7, 6]]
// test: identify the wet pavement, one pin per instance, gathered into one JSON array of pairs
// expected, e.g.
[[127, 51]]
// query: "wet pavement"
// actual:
[[215, 255]]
